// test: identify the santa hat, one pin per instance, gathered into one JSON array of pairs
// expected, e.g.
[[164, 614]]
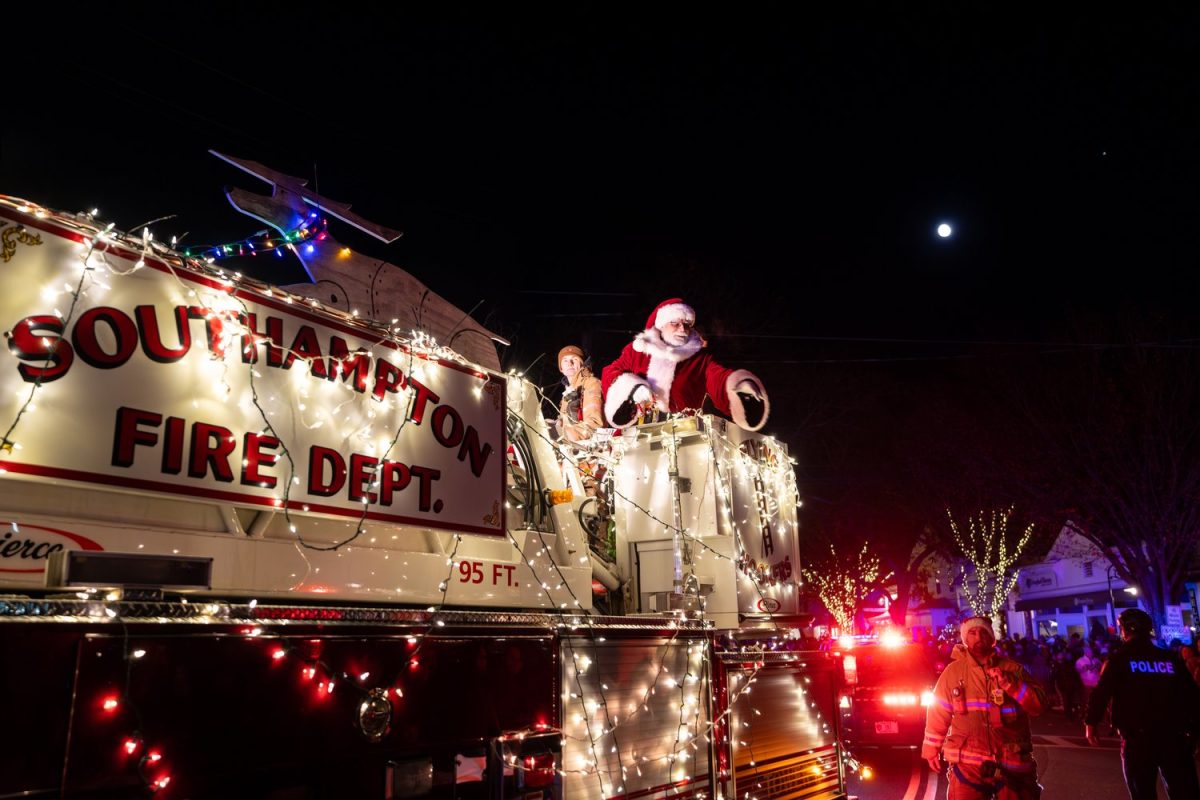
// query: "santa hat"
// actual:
[[673, 310], [975, 622]]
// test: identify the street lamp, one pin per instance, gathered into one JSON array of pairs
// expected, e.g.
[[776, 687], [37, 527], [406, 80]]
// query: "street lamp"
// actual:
[[1112, 601]]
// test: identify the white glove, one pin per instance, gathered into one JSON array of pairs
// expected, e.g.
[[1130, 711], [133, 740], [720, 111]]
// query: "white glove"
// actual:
[[749, 387], [642, 395]]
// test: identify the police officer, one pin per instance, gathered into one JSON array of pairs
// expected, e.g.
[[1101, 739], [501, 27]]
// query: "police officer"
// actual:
[[1155, 706]]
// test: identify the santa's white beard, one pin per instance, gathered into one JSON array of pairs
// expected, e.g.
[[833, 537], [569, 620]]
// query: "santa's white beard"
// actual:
[[675, 338]]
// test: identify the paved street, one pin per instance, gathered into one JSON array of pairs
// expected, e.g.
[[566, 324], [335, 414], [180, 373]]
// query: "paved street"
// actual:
[[1069, 769]]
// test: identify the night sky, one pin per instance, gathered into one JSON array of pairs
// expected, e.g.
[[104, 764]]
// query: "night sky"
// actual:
[[784, 170]]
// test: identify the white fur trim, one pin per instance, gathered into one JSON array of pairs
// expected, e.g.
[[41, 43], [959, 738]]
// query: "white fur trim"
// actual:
[[661, 374], [735, 403], [674, 313], [651, 342], [974, 622], [620, 391]]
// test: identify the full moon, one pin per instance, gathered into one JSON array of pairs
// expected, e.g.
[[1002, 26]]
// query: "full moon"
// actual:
[[944, 230]]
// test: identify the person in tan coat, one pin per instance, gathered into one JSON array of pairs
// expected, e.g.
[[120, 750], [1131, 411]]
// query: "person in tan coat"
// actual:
[[979, 721], [579, 411]]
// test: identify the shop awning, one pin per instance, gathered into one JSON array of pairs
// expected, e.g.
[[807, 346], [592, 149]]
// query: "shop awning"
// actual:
[[1091, 599]]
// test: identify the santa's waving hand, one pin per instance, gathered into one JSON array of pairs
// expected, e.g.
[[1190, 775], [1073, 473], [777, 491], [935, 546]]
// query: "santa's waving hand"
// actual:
[[667, 366]]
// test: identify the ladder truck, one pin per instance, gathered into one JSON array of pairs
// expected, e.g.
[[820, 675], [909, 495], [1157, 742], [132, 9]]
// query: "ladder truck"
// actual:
[[262, 541]]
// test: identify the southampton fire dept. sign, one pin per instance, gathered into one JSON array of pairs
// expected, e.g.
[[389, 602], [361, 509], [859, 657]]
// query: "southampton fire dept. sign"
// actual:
[[156, 378]]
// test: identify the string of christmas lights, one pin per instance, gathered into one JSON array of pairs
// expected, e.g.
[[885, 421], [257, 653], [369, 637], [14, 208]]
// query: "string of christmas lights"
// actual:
[[596, 730], [311, 228], [150, 766], [759, 578], [726, 492], [226, 309], [992, 552], [842, 585]]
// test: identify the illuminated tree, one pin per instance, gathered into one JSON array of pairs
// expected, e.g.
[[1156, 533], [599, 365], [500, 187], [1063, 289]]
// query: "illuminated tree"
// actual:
[[841, 584], [992, 552]]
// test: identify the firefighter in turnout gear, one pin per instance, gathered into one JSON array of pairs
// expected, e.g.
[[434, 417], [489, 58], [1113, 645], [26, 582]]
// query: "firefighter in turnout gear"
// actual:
[[1156, 709], [979, 721]]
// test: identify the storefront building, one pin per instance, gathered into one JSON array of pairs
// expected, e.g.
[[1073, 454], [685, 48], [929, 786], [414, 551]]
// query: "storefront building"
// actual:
[[1076, 590]]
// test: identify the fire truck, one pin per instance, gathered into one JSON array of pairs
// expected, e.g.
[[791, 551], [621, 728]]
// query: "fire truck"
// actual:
[[262, 542]]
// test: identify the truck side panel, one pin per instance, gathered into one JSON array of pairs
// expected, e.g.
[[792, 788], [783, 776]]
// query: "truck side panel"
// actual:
[[635, 718], [783, 726]]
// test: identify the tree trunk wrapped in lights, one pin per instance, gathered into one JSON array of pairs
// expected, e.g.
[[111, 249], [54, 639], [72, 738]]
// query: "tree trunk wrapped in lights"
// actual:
[[992, 552], [842, 584]]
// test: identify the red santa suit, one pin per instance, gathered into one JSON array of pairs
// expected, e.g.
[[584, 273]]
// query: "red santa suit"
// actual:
[[679, 376]]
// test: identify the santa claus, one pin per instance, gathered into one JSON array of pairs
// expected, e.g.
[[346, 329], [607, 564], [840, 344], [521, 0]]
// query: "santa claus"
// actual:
[[667, 367]]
